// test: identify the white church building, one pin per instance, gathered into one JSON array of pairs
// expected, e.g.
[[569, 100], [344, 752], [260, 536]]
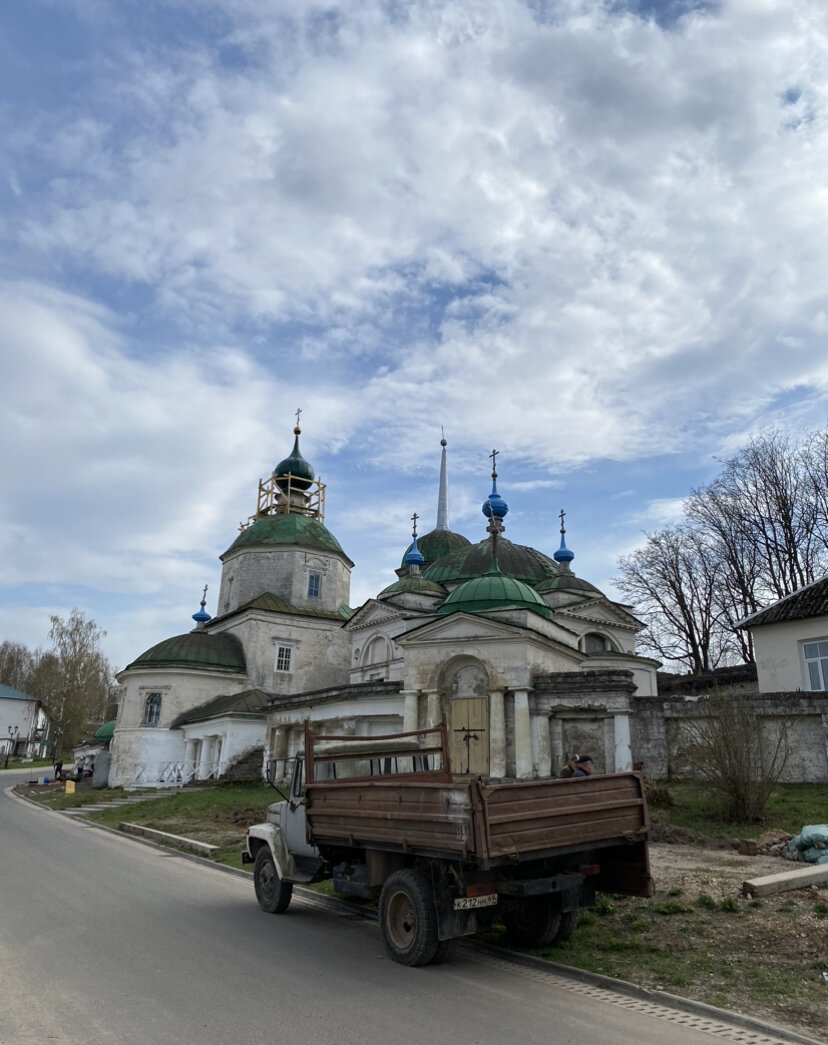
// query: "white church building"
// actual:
[[524, 661]]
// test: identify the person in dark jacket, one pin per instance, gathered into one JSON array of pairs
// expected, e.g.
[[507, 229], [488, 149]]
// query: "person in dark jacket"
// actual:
[[584, 767]]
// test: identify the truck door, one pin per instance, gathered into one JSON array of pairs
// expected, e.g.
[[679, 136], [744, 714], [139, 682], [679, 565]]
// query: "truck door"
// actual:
[[469, 735], [293, 816]]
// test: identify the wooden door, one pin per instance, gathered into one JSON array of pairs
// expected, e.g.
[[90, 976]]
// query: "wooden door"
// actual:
[[469, 736]]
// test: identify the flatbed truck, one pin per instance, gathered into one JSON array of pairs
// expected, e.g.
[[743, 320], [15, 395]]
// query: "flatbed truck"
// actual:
[[384, 818]]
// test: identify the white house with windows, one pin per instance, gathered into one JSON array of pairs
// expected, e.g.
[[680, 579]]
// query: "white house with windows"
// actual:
[[790, 641], [524, 661]]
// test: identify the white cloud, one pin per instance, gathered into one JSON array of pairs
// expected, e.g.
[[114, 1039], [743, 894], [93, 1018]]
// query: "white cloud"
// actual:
[[576, 236]]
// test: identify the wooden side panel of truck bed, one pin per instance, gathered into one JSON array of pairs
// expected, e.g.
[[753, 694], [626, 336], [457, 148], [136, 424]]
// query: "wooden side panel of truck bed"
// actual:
[[436, 818], [471, 820], [561, 814]]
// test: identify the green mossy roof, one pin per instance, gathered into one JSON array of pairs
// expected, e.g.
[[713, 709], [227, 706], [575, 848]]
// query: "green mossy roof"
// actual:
[[198, 650], [494, 591], [248, 704], [416, 585], [515, 560], [271, 603], [106, 731], [288, 529], [568, 582]]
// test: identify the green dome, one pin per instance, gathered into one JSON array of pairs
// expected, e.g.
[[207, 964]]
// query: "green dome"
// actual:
[[196, 649], [296, 466], [287, 529], [417, 585], [494, 591], [515, 560], [106, 731], [438, 543]]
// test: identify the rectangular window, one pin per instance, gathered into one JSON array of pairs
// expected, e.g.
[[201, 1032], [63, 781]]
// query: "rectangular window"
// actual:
[[815, 655], [314, 585], [283, 658]]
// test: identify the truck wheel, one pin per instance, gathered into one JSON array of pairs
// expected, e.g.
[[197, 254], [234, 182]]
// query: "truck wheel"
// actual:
[[534, 921], [272, 893], [569, 921], [408, 920]]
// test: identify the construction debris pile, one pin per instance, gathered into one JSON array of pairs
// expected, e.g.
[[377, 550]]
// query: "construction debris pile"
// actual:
[[811, 844]]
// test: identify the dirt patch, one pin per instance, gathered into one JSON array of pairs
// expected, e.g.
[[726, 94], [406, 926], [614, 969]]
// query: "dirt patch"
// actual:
[[762, 957]]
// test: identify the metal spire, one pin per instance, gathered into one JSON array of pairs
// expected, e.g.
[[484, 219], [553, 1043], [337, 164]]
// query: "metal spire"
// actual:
[[442, 498]]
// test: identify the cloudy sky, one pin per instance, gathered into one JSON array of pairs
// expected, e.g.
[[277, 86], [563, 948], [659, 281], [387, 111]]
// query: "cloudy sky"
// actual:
[[590, 233]]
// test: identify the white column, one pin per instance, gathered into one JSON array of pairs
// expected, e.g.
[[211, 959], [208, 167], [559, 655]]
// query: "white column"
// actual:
[[556, 751], [433, 718], [411, 709], [542, 754], [203, 754], [523, 736], [411, 719], [188, 772], [623, 748], [497, 735]]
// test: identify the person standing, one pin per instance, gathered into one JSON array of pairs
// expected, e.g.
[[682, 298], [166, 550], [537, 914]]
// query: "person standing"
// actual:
[[569, 769], [584, 767]]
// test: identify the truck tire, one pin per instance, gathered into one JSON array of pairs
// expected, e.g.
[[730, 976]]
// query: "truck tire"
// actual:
[[535, 921], [569, 921], [272, 893], [408, 919]]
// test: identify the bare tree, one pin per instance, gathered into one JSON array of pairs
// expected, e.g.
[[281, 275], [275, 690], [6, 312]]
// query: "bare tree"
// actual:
[[763, 515], [739, 753], [16, 665], [671, 581], [753, 535]]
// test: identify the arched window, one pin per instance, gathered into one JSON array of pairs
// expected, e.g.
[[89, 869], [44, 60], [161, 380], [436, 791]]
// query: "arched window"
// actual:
[[594, 643], [152, 710], [375, 657]]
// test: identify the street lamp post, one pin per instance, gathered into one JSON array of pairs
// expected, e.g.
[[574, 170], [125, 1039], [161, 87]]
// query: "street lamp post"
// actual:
[[13, 731]]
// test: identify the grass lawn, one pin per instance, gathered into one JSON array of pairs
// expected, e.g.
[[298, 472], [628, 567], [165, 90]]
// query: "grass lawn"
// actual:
[[790, 808]]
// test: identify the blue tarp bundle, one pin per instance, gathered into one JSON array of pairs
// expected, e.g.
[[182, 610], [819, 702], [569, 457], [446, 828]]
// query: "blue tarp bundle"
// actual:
[[811, 843]]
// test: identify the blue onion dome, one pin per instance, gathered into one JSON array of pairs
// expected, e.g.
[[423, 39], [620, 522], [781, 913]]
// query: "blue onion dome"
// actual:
[[494, 591], [437, 543], [563, 554], [201, 616], [295, 466], [494, 505], [516, 560], [413, 557]]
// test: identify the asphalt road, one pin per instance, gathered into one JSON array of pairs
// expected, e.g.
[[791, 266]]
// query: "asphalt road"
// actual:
[[106, 941]]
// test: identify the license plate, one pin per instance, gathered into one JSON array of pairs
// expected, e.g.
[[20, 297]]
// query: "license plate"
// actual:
[[465, 903]]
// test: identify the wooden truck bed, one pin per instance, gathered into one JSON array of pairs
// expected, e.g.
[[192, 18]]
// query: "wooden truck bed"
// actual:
[[427, 813]]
